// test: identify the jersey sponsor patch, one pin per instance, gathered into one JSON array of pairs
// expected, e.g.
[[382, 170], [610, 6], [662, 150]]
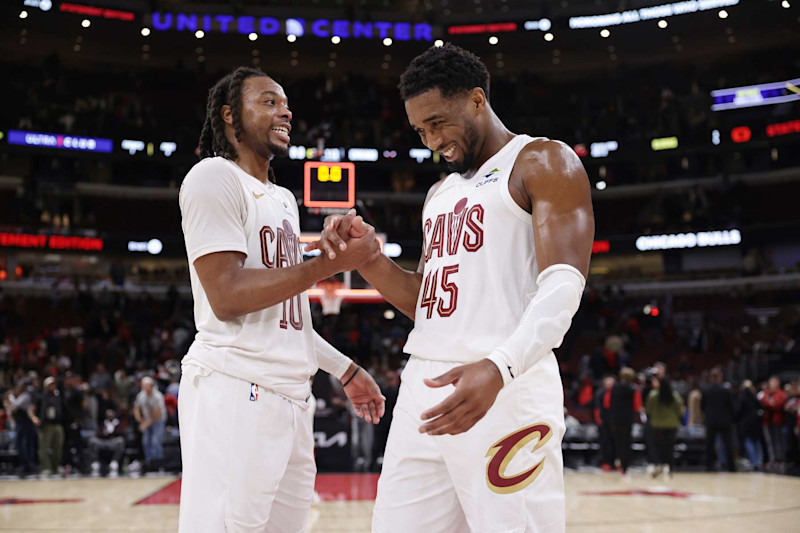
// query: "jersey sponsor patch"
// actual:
[[488, 178]]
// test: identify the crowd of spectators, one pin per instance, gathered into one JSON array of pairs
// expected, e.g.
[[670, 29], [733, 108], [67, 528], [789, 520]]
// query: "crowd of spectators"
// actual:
[[90, 380]]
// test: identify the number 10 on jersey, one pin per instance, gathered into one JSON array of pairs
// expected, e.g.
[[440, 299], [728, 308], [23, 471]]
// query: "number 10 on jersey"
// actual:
[[444, 302]]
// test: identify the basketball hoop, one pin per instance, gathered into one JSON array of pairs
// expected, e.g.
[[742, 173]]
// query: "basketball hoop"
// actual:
[[331, 299]]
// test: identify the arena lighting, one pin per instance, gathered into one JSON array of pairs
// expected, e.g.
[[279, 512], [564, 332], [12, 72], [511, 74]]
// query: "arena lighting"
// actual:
[[44, 5], [783, 128], [336, 39], [145, 32], [132, 146], [468, 29], [23, 14], [153, 246], [199, 34], [50, 242], [86, 23], [604, 33], [389, 314], [387, 41], [493, 40], [438, 43], [580, 150], [59, 141], [741, 134], [548, 37], [664, 143], [324, 28], [602, 149], [291, 38], [715, 140], [723, 14], [420, 154], [253, 36], [91, 11], [601, 247], [647, 13], [601, 185], [167, 148], [362, 154], [662, 24], [541, 25], [785, 4], [678, 241]]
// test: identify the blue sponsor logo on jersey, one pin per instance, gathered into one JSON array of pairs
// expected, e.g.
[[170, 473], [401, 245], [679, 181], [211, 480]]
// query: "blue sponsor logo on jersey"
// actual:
[[488, 178]]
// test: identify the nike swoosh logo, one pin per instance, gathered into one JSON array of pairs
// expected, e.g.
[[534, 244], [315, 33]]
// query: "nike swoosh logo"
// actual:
[[257, 196]]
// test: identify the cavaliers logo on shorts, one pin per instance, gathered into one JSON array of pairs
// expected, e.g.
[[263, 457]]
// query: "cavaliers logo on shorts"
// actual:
[[504, 450]]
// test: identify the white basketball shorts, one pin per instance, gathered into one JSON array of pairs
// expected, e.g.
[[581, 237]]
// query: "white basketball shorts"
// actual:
[[248, 457], [503, 475]]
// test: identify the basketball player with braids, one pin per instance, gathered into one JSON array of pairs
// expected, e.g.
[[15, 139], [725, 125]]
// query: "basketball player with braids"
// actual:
[[244, 406], [475, 442]]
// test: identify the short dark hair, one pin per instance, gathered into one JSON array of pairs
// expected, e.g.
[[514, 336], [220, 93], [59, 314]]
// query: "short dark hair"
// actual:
[[450, 68]]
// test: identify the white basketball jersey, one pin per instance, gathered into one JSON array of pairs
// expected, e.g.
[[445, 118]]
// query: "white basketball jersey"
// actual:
[[480, 264], [224, 208]]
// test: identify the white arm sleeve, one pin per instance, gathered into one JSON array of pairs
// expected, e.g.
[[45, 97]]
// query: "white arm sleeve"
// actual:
[[329, 358], [544, 323], [212, 210]]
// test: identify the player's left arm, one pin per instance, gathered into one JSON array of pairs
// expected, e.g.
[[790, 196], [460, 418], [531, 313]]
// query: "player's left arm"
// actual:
[[550, 182], [359, 386]]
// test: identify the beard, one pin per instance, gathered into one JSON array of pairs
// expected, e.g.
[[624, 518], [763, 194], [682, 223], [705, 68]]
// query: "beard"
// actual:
[[470, 145], [273, 150]]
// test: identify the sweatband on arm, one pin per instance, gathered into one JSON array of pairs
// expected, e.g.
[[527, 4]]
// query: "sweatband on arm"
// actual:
[[329, 358], [544, 323]]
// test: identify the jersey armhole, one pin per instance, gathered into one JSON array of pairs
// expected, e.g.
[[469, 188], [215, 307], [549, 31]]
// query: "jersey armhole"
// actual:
[[505, 193]]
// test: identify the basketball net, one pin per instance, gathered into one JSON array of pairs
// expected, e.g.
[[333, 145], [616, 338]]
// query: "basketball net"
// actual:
[[330, 298]]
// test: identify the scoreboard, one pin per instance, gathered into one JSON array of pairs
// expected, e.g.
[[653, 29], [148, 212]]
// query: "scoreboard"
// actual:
[[329, 184]]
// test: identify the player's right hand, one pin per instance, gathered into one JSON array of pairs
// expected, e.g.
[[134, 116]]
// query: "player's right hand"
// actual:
[[359, 251], [337, 230]]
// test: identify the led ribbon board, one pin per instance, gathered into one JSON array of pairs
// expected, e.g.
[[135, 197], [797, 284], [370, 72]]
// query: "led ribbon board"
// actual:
[[756, 95], [647, 13], [59, 141]]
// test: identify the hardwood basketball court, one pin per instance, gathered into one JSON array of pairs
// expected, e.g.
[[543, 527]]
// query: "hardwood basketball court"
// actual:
[[597, 502]]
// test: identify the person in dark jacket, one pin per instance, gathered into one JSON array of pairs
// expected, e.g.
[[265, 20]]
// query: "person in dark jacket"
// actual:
[[51, 428], [626, 400], [718, 410], [748, 418]]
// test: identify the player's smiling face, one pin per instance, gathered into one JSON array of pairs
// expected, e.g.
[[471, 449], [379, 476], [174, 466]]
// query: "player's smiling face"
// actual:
[[446, 125], [266, 118]]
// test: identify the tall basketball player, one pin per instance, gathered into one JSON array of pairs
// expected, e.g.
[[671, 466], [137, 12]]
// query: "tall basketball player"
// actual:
[[475, 443], [245, 415]]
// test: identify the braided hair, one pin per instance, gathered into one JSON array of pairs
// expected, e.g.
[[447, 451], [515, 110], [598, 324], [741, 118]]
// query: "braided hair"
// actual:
[[450, 68], [227, 91]]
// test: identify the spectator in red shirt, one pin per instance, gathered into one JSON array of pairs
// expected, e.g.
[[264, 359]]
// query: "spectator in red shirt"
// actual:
[[772, 400], [601, 418]]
